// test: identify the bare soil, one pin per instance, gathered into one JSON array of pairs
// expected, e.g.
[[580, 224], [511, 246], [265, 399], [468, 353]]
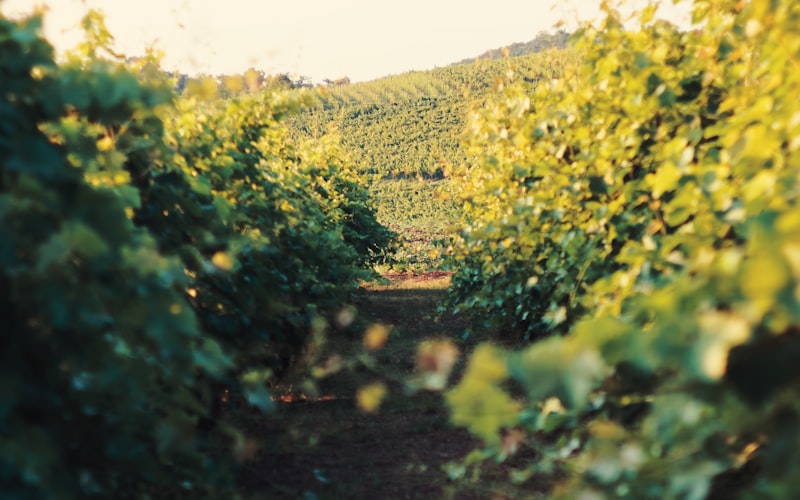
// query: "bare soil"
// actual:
[[320, 445]]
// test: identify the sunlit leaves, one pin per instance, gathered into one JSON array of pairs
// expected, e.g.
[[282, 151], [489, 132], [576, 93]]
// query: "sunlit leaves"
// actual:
[[104, 348], [375, 336], [223, 260], [763, 276], [677, 273], [203, 89], [369, 397], [114, 200], [483, 408], [477, 402]]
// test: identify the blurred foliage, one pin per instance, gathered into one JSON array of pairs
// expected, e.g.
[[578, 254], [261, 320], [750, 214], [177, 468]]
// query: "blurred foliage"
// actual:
[[101, 351], [154, 251], [643, 207]]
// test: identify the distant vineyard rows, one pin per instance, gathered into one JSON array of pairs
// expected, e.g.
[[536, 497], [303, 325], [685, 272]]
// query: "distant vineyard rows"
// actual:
[[411, 125]]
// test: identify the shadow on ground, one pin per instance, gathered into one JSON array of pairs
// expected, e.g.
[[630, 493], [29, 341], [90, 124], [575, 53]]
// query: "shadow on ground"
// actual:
[[325, 447]]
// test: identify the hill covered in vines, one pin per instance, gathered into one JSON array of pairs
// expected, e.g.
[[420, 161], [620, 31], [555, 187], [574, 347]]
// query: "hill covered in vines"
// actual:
[[410, 125], [406, 132]]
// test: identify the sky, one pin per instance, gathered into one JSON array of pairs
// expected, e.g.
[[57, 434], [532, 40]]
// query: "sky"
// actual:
[[360, 39]]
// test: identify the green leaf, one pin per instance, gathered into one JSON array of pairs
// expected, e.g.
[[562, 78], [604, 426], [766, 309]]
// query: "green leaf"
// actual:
[[560, 368], [259, 397], [483, 408], [210, 358]]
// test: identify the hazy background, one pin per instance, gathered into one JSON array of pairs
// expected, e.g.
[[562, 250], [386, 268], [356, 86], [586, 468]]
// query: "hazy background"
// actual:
[[361, 39]]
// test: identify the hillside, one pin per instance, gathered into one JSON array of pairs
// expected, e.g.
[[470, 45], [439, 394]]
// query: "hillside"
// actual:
[[406, 132], [542, 42], [409, 124], [406, 127]]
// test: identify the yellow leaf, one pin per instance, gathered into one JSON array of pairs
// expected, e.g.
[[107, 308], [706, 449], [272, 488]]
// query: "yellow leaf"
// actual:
[[105, 144], [763, 276], [789, 223], [488, 364], [760, 142], [762, 185], [664, 179], [552, 405], [223, 261], [369, 397], [792, 253], [648, 13], [376, 336]]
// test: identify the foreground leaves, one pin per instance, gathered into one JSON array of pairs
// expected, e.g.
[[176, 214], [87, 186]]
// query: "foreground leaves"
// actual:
[[159, 259], [644, 206]]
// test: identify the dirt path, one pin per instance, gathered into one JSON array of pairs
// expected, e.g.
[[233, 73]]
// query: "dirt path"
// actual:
[[327, 448]]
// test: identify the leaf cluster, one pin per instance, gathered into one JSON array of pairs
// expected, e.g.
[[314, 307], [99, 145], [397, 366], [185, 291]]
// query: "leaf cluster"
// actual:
[[154, 251], [643, 207]]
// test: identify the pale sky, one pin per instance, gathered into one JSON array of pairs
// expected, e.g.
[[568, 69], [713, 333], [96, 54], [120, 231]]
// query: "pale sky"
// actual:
[[361, 39]]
